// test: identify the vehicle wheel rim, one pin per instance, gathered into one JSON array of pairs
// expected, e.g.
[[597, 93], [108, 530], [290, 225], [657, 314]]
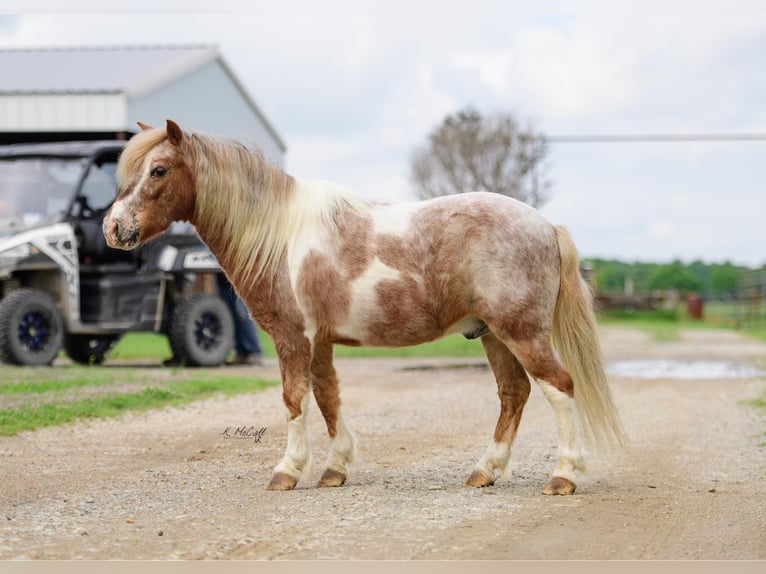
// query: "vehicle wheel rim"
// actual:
[[207, 331], [34, 331]]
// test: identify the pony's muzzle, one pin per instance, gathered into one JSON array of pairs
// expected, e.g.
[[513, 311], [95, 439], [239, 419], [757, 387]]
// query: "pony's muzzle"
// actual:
[[119, 236]]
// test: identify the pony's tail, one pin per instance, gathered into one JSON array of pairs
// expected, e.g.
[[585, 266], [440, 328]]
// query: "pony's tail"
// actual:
[[575, 336]]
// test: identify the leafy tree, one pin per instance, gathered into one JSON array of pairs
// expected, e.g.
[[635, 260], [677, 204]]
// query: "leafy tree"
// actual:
[[611, 278], [611, 275], [707, 278], [724, 277], [471, 152], [674, 276]]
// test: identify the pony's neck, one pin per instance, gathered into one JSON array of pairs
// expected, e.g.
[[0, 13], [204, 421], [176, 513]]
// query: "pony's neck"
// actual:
[[249, 211], [242, 207]]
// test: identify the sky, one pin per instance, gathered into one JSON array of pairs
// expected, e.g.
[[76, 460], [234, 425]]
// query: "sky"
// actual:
[[354, 87]]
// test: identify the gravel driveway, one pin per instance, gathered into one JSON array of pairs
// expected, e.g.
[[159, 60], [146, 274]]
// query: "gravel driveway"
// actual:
[[182, 483]]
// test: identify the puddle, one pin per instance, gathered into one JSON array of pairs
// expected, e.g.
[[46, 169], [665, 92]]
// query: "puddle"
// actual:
[[446, 367], [639, 369], [673, 369]]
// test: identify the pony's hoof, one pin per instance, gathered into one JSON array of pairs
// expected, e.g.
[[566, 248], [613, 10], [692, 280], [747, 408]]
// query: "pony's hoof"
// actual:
[[332, 478], [281, 481], [561, 486], [479, 479]]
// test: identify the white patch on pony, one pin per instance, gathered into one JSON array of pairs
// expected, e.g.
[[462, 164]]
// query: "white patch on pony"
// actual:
[[495, 460], [126, 205], [297, 458], [118, 209], [364, 299], [343, 451], [570, 456], [314, 203], [393, 219]]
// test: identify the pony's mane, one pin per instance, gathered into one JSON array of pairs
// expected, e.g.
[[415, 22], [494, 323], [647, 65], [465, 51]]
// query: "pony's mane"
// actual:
[[244, 203], [255, 208], [133, 155]]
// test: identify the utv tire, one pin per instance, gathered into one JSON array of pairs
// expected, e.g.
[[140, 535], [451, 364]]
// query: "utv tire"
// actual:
[[89, 349], [202, 331], [31, 328]]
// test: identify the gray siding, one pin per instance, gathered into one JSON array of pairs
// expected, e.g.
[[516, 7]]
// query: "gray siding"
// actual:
[[206, 100]]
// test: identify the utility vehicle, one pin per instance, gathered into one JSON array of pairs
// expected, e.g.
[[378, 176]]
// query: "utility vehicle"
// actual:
[[61, 286]]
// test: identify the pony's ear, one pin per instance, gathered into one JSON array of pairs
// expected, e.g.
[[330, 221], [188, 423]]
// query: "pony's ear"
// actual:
[[144, 126], [175, 133]]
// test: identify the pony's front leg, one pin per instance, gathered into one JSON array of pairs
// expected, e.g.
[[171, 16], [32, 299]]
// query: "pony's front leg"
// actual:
[[324, 383], [295, 394]]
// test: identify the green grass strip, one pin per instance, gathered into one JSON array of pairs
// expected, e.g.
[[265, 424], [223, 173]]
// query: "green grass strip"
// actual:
[[154, 347], [662, 325], [44, 380], [12, 421], [760, 404]]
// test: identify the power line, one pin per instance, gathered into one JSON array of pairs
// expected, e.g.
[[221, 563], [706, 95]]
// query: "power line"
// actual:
[[633, 138]]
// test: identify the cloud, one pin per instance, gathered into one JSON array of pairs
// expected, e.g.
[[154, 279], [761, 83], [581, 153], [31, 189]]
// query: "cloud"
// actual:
[[661, 230], [353, 90], [492, 68], [632, 71], [567, 72]]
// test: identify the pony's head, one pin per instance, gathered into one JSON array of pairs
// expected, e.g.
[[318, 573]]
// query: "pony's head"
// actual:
[[156, 186]]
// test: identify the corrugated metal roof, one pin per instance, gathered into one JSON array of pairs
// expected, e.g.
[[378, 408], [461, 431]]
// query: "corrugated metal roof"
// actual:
[[130, 70], [97, 70]]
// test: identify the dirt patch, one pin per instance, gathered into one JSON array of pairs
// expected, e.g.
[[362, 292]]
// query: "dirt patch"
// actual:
[[171, 483]]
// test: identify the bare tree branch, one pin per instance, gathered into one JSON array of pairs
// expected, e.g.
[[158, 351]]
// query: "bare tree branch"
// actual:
[[468, 152]]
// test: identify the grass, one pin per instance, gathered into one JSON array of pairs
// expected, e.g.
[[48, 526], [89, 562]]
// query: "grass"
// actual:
[[141, 346], [155, 347], [756, 332], [760, 404], [665, 325], [46, 398], [30, 381]]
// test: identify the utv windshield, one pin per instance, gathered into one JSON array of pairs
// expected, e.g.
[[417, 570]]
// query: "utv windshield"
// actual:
[[36, 189]]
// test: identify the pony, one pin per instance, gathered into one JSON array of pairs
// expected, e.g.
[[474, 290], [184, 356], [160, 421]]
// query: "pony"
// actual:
[[318, 265]]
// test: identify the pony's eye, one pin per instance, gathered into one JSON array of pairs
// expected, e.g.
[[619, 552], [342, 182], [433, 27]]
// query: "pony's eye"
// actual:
[[158, 171]]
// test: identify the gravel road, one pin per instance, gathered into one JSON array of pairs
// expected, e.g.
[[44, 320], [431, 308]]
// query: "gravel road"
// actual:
[[170, 484]]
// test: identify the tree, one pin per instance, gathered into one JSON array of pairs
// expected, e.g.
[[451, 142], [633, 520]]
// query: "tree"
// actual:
[[469, 152], [674, 276], [725, 277]]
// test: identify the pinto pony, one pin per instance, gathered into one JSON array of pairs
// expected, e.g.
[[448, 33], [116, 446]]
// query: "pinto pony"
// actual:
[[319, 266]]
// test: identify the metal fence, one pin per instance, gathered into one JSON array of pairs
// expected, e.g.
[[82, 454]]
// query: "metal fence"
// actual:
[[751, 298], [744, 307]]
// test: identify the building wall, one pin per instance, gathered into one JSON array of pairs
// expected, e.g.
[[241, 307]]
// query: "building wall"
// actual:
[[61, 112], [205, 100]]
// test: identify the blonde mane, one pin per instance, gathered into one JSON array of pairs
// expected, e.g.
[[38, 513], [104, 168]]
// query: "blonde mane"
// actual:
[[244, 203], [132, 157]]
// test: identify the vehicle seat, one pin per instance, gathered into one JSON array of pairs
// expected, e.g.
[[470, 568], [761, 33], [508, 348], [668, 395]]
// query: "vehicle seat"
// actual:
[[92, 247]]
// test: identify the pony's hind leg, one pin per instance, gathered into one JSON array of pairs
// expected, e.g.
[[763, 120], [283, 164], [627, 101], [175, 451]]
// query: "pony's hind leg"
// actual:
[[324, 383], [513, 389], [538, 358], [569, 455]]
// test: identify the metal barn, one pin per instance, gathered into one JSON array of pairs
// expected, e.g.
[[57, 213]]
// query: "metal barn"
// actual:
[[100, 93]]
